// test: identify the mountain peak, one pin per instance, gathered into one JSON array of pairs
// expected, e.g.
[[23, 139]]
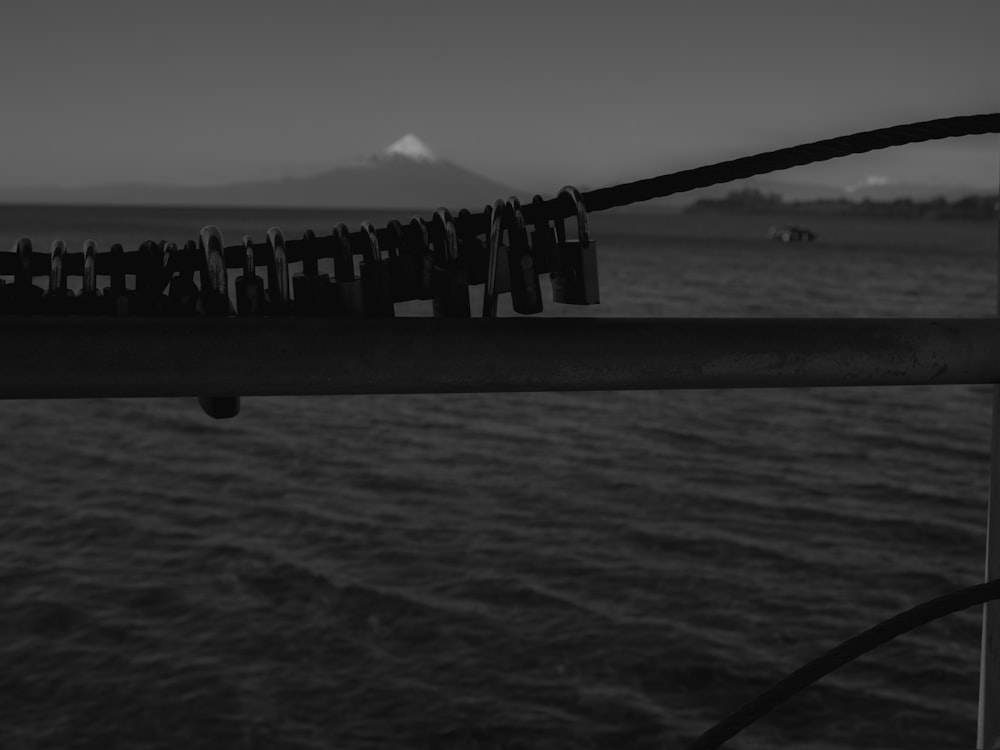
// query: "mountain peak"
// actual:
[[410, 147], [871, 181]]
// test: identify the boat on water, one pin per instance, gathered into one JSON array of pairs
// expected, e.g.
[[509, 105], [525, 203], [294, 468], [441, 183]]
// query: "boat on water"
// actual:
[[791, 233]]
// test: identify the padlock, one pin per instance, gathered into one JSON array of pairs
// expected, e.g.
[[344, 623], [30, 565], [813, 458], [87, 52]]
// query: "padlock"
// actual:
[[26, 296], [423, 260], [501, 269], [312, 290], [159, 278], [89, 300], [167, 251], [375, 281], [544, 245], [525, 288], [249, 286], [149, 281], [214, 277], [215, 302], [57, 299], [141, 299], [349, 289], [182, 298], [278, 296], [402, 264], [575, 282], [490, 291], [471, 248], [451, 278], [117, 298]]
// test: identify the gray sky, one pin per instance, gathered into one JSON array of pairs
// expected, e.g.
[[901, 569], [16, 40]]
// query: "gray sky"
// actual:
[[536, 94]]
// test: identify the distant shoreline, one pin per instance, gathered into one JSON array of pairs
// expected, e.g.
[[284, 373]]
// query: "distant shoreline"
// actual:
[[752, 201]]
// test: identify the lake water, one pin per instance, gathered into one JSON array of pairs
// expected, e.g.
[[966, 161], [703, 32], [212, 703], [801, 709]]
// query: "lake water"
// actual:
[[578, 570]]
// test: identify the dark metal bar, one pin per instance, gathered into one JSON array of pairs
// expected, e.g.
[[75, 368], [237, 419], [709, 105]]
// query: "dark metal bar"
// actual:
[[79, 357]]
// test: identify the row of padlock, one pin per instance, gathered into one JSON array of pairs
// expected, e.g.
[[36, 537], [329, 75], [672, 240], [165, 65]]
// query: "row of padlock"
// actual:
[[422, 260]]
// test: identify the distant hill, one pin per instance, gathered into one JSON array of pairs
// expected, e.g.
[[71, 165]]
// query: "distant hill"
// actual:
[[749, 200], [914, 191], [870, 189], [789, 191], [405, 175]]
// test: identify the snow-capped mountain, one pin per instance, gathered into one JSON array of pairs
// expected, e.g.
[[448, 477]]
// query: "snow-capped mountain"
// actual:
[[410, 147], [406, 174]]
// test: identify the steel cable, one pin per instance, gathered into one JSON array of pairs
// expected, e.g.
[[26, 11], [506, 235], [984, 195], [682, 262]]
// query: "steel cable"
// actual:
[[772, 161], [843, 654]]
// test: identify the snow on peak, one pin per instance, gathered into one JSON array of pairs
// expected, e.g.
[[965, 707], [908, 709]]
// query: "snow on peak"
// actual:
[[872, 180], [412, 148]]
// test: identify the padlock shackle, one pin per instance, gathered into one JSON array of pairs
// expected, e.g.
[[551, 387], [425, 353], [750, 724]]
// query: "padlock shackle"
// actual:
[[444, 226], [249, 267], [462, 226], [343, 254], [90, 267], [371, 253], [572, 194], [215, 301], [468, 238], [541, 222], [422, 233], [310, 261], [186, 262], [277, 271], [517, 232], [214, 276], [170, 261], [142, 270], [23, 250], [169, 255], [117, 275], [158, 277], [57, 273], [395, 231], [496, 231], [150, 267]]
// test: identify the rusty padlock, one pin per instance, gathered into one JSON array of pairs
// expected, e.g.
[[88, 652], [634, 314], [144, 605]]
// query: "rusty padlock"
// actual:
[[525, 288], [424, 260], [117, 298], [183, 294], [451, 278], [279, 294], [402, 264], [375, 280], [490, 292], [349, 290], [312, 290], [89, 300], [58, 298], [215, 302], [249, 287], [26, 296], [150, 279], [575, 282], [472, 250], [544, 244]]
